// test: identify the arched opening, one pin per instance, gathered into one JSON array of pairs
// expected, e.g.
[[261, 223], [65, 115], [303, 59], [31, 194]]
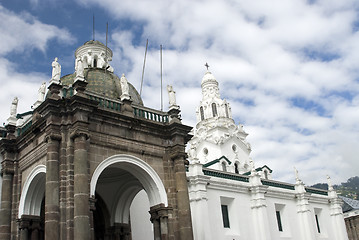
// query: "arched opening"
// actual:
[[95, 62], [224, 167], [214, 110], [32, 204], [201, 112], [116, 184], [226, 109], [265, 174], [236, 170]]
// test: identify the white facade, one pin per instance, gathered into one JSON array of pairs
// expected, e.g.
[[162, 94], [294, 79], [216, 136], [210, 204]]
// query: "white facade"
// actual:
[[231, 199]]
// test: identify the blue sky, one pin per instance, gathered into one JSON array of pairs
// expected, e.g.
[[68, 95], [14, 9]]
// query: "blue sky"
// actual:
[[288, 68]]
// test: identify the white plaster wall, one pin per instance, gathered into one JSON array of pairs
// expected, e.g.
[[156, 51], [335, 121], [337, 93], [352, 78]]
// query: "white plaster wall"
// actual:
[[242, 225], [141, 225], [239, 214]]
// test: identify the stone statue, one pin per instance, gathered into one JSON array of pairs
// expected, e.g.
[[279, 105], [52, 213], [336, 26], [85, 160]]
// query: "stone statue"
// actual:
[[124, 88], [171, 95], [56, 70], [79, 68], [296, 174], [101, 61], [89, 58], [330, 185], [41, 92], [13, 109]]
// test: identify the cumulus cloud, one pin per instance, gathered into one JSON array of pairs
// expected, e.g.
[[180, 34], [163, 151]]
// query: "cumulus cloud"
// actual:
[[23, 32], [289, 70]]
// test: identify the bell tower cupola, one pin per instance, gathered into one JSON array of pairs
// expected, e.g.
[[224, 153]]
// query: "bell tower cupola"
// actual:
[[217, 141]]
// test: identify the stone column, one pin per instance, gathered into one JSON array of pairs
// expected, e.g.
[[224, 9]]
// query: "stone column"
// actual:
[[259, 207], [92, 209], [81, 189], [52, 202], [7, 173], [184, 212], [35, 228], [24, 225], [159, 218]]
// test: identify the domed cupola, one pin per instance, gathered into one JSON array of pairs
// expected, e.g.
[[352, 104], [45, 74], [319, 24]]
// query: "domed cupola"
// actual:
[[94, 54], [101, 80], [212, 107]]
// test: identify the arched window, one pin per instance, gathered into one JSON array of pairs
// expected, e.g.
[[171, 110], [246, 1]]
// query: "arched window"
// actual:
[[265, 174], [214, 110], [95, 62], [236, 168], [226, 109], [224, 167], [202, 113]]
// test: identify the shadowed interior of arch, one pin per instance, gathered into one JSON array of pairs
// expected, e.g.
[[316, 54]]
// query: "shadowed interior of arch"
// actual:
[[116, 188]]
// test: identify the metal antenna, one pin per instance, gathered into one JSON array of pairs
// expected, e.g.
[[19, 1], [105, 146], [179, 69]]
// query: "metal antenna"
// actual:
[[93, 27], [106, 47], [104, 94], [161, 78], [143, 69]]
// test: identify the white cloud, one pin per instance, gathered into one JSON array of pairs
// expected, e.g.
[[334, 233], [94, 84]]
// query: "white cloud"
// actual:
[[263, 53], [23, 32]]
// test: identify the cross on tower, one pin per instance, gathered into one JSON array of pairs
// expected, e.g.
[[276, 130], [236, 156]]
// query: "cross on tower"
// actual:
[[207, 66]]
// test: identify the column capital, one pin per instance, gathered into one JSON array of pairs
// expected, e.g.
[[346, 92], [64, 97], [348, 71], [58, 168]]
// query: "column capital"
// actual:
[[79, 133], [159, 211], [7, 167], [53, 137], [92, 202]]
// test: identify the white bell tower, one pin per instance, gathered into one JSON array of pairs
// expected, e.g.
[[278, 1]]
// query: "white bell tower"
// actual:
[[217, 141]]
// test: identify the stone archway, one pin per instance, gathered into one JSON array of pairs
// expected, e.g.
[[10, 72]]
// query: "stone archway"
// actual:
[[32, 203], [115, 183]]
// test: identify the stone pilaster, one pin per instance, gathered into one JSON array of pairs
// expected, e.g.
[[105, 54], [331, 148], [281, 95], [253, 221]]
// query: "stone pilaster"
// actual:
[[81, 188], [52, 188], [259, 207], [24, 226], [184, 212], [54, 89], [7, 173]]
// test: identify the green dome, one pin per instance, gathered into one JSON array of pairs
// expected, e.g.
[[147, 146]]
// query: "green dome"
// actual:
[[103, 83]]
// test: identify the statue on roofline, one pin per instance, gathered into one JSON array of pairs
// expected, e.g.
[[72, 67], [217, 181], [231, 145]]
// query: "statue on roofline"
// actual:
[[171, 95], [56, 70]]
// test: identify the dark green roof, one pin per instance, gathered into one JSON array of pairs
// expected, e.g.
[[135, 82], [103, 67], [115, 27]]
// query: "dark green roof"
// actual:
[[104, 83]]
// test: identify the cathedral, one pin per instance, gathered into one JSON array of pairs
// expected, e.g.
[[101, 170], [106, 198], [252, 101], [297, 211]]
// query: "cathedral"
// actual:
[[91, 161]]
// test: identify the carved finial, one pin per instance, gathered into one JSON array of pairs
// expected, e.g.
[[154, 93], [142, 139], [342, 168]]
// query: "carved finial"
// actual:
[[207, 66], [296, 174]]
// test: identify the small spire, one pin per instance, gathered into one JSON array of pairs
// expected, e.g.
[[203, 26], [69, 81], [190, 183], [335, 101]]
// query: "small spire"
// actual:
[[206, 65]]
